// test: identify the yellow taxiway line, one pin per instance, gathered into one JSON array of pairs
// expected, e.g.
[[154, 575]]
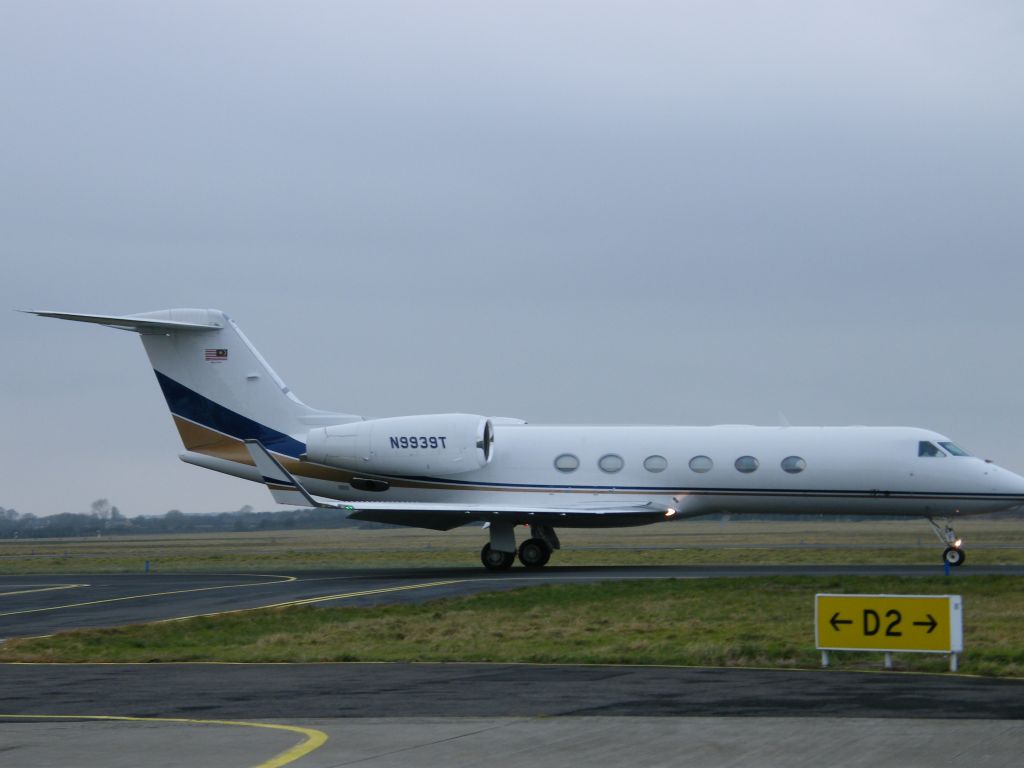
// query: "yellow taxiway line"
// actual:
[[279, 580], [43, 589], [311, 600], [346, 595], [313, 739]]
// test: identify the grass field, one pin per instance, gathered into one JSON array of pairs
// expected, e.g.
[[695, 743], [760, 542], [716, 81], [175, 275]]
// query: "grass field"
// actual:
[[707, 622], [670, 543], [733, 622]]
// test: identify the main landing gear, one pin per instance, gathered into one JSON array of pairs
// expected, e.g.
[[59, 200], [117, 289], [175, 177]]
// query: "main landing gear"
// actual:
[[534, 553], [494, 560], [500, 552], [954, 554]]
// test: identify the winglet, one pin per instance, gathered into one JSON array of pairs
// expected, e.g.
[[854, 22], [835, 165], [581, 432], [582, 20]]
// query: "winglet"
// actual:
[[283, 486]]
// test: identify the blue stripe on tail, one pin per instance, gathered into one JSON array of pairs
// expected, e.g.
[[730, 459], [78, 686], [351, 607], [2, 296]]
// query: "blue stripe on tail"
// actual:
[[192, 406]]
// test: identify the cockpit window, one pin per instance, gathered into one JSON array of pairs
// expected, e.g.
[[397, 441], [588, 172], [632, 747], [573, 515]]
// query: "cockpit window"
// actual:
[[955, 449], [924, 448]]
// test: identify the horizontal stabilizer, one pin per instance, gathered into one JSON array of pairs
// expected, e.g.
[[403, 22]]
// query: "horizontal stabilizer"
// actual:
[[137, 323]]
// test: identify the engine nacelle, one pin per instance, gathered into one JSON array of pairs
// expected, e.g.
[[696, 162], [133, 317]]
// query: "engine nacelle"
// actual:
[[435, 444]]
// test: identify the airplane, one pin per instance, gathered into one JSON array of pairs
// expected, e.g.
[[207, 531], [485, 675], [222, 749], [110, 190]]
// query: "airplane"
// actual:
[[440, 471]]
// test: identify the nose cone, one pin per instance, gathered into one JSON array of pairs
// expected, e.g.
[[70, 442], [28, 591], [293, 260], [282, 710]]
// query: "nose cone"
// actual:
[[1004, 482]]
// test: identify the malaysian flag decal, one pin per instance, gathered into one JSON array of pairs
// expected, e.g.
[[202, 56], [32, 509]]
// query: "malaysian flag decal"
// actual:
[[216, 355]]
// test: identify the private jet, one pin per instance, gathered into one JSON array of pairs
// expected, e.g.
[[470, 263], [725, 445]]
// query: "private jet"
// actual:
[[441, 471]]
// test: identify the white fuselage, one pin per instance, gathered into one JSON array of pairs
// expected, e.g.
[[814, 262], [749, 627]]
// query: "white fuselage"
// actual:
[[441, 470], [845, 470]]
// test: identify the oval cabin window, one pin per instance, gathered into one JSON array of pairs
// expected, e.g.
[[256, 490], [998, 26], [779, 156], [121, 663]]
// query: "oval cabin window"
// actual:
[[655, 463], [701, 463], [793, 464], [611, 462], [567, 463], [747, 464]]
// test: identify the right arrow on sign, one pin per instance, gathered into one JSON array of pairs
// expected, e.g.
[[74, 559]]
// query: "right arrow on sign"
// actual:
[[931, 623], [835, 621]]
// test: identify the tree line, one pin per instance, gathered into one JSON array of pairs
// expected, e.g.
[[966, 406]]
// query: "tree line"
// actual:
[[105, 519]]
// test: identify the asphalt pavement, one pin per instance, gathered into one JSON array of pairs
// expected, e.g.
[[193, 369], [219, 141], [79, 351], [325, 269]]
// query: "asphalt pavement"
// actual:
[[379, 715], [390, 715], [237, 691]]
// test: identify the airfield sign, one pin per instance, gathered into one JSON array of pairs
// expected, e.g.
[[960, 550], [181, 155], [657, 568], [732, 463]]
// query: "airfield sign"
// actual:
[[914, 623]]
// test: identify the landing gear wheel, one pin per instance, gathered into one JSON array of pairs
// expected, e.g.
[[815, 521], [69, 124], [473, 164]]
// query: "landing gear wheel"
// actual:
[[494, 560], [954, 556], [534, 553]]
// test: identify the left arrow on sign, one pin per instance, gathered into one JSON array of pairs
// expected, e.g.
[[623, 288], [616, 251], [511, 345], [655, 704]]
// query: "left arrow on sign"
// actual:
[[835, 621]]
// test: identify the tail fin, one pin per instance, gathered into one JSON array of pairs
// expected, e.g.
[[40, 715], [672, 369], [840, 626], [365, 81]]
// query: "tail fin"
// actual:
[[219, 389]]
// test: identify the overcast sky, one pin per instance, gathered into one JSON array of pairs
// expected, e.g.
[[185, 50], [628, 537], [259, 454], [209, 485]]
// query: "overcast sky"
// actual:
[[690, 213]]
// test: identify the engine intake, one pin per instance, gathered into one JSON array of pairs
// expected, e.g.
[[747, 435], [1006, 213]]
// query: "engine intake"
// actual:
[[435, 444]]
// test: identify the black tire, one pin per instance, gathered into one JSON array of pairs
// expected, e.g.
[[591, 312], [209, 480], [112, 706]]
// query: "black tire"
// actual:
[[954, 556], [494, 560], [534, 553]]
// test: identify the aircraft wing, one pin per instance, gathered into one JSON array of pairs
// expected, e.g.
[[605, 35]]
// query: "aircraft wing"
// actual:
[[442, 517]]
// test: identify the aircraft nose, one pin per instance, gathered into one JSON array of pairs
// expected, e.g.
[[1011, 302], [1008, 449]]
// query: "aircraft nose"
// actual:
[[1005, 481]]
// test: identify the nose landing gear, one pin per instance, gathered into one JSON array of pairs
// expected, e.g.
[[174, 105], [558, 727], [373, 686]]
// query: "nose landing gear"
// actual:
[[954, 554]]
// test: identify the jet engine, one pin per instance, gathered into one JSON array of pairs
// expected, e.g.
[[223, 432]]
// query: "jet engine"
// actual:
[[435, 444]]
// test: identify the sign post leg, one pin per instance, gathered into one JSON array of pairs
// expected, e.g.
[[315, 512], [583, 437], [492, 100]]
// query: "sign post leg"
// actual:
[[888, 660], [952, 662], [824, 658]]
